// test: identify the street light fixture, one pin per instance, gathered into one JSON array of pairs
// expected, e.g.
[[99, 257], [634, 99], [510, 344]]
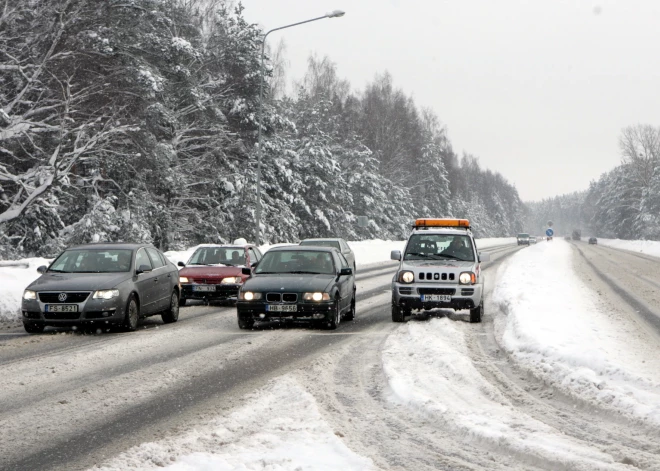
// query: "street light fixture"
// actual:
[[332, 14]]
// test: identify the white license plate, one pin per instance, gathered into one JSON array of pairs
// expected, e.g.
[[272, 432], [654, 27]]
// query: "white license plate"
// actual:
[[204, 288], [443, 298], [61, 307], [281, 308]]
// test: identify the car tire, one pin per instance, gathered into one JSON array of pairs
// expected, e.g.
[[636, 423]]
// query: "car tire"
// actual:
[[132, 315], [350, 315], [182, 301], [245, 324], [336, 316], [32, 328], [172, 313], [477, 313], [397, 313]]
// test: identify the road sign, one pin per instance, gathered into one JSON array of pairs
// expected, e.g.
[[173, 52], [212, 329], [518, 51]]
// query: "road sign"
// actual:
[[549, 232]]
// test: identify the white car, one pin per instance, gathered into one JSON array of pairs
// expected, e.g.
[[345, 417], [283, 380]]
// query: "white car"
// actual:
[[439, 268]]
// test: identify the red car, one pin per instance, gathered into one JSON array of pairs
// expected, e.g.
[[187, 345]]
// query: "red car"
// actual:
[[214, 272]]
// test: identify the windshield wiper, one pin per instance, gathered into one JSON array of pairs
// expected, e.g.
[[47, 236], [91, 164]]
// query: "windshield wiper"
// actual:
[[301, 272], [58, 271], [266, 272], [425, 255]]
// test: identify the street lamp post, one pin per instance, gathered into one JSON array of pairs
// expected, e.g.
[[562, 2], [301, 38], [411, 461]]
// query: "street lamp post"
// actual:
[[334, 14]]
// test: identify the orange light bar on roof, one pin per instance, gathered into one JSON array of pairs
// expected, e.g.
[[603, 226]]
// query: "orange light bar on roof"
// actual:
[[430, 222]]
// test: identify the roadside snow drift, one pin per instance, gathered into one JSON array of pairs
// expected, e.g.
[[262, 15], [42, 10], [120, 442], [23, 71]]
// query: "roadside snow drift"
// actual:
[[648, 247], [280, 428], [553, 324], [13, 281], [429, 369]]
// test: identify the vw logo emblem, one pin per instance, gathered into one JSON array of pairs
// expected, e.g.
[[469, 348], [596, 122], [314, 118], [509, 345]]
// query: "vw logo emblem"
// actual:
[[61, 297]]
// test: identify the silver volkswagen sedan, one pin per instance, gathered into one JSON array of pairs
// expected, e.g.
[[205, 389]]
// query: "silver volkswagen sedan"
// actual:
[[103, 284]]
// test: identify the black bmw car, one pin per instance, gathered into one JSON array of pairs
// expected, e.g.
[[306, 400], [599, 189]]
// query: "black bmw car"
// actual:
[[313, 284], [102, 284]]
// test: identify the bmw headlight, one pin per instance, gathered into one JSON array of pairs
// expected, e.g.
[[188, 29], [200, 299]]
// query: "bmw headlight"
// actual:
[[249, 295], [316, 296], [467, 278], [106, 294], [406, 277], [29, 294], [232, 280]]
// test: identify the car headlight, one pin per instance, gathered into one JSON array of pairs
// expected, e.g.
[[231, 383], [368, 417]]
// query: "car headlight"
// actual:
[[29, 294], [184, 279], [106, 294], [467, 278], [232, 280], [406, 277], [316, 296], [249, 295]]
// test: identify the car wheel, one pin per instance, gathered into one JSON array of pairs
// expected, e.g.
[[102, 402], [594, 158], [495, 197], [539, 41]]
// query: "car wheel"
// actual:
[[477, 313], [172, 313], [245, 324], [350, 315], [132, 315], [397, 313], [32, 328], [182, 301], [336, 316]]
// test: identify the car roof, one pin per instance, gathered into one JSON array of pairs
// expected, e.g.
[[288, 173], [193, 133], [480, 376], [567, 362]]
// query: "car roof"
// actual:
[[323, 239], [442, 231], [303, 248], [227, 246], [110, 245]]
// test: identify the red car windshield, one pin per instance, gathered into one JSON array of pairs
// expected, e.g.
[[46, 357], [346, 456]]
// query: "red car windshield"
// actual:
[[228, 256]]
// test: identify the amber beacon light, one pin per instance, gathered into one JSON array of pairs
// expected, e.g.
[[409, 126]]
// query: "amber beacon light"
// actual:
[[431, 222]]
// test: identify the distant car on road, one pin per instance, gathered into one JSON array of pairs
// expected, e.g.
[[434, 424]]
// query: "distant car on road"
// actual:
[[214, 271], [593, 241], [314, 284], [532, 239], [568, 238], [523, 238], [338, 243], [102, 284]]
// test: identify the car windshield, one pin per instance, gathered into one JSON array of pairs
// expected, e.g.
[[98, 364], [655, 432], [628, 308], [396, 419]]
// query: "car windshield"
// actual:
[[523, 236], [322, 243], [93, 261], [296, 261], [227, 256], [439, 247]]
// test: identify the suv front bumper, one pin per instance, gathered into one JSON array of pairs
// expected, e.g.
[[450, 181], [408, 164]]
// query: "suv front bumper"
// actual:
[[409, 296]]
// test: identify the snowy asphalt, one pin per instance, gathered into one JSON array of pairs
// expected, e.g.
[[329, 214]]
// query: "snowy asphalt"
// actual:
[[74, 400]]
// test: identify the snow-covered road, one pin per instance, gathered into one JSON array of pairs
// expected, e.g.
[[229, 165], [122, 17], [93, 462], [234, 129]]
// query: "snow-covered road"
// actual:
[[547, 382]]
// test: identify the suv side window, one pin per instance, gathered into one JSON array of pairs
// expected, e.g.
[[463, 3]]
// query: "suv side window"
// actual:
[[342, 261], [142, 259], [156, 261]]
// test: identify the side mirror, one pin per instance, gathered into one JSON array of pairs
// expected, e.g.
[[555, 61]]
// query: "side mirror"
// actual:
[[181, 264], [246, 271], [142, 269], [254, 265], [395, 255], [345, 272], [484, 257], [42, 269]]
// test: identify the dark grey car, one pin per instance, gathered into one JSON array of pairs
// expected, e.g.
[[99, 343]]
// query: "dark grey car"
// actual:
[[102, 284]]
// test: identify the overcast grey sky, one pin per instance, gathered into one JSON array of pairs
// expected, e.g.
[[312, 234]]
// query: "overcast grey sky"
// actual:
[[538, 90]]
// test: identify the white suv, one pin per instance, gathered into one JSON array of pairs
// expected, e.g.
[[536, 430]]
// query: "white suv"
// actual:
[[440, 268]]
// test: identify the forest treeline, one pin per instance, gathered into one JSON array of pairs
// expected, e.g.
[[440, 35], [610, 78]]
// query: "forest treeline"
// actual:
[[136, 120], [623, 203]]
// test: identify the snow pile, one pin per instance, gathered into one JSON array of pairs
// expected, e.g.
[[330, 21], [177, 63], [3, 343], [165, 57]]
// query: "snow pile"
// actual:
[[648, 247], [14, 281], [555, 326], [429, 369], [280, 428]]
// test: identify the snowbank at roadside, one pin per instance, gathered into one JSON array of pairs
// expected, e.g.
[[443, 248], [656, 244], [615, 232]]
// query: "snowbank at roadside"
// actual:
[[648, 247], [554, 325], [13, 281], [442, 381], [279, 428]]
